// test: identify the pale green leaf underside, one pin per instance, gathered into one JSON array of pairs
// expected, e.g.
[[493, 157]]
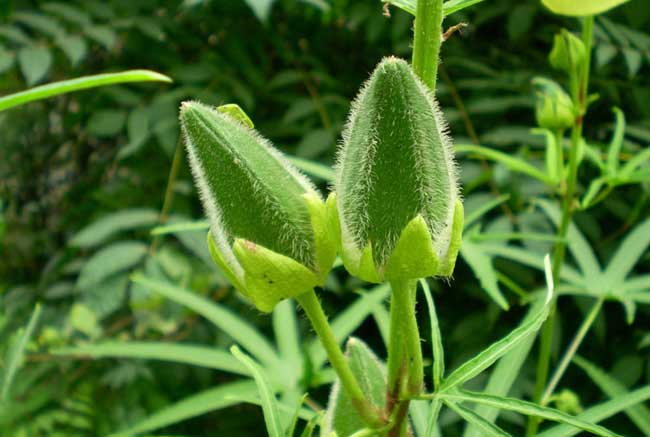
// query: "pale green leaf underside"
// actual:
[[448, 8]]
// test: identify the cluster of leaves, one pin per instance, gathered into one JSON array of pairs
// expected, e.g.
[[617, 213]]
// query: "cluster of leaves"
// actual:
[[84, 179]]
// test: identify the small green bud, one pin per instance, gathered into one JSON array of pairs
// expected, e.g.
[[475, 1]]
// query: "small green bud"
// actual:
[[568, 53], [269, 228], [399, 207], [553, 107]]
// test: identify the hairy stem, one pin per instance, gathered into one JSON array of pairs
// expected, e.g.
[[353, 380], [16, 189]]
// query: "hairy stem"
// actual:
[[405, 369], [427, 40], [580, 101], [312, 307]]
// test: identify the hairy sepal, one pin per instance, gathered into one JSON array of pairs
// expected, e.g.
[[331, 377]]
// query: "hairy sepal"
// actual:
[[270, 277], [447, 264], [324, 240], [414, 255]]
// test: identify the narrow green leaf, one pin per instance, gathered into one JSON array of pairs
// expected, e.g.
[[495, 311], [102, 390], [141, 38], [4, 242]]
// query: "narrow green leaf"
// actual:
[[117, 257], [514, 164], [261, 8], [181, 227], [313, 168], [349, 320], [529, 409], [627, 255], [601, 412], [242, 332], [487, 428], [637, 160], [101, 230], [577, 243], [179, 353], [502, 378], [436, 337], [481, 265], [66, 86], [448, 8], [34, 63], [285, 328], [487, 357], [617, 142], [476, 214], [341, 416], [639, 414], [269, 403], [13, 361], [203, 402]]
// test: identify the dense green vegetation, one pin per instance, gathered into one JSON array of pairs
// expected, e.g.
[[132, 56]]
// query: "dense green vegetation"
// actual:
[[102, 235]]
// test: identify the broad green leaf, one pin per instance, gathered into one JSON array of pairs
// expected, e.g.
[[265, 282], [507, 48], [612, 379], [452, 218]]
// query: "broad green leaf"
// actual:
[[66, 86], [529, 409], [117, 257], [349, 320], [581, 7], [106, 296], [487, 428], [34, 63], [481, 265], [639, 414], [487, 357], [601, 412], [269, 402], [15, 355], [67, 12], [341, 414], [227, 321], [438, 368], [211, 358], [627, 255], [213, 399], [42, 23], [512, 163]]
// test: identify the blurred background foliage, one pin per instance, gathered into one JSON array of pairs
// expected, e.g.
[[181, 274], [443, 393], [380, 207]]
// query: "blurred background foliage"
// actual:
[[85, 177]]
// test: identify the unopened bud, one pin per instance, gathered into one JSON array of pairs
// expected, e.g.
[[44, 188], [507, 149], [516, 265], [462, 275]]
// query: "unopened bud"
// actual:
[[553, 106]]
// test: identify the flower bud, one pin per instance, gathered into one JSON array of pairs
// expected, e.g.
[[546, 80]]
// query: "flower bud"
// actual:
[[553, 107], [269, 228], [568, 52], [399, 208]]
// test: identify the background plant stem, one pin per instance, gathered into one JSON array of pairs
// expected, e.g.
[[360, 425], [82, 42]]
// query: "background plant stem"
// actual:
[[312, 307], [580, 101], [426, 41]]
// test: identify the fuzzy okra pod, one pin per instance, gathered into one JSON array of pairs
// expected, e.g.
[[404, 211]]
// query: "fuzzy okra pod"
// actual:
[[399, 208], [269, 228]]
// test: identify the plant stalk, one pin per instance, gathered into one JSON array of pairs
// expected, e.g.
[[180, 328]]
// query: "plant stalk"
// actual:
[[426, 41], [580, 101], [312, 307], [405, 369]]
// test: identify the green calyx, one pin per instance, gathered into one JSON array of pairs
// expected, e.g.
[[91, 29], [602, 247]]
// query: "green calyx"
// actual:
[[267, 221], [398, 199], [553, 107]]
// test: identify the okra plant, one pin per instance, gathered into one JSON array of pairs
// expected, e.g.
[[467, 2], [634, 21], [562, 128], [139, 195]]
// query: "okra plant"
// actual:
[[394, 215]]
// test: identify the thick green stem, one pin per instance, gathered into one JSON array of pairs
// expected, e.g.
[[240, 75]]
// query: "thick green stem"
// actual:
[[580, 102], [427, 40], [405, 369], [312, 307]]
